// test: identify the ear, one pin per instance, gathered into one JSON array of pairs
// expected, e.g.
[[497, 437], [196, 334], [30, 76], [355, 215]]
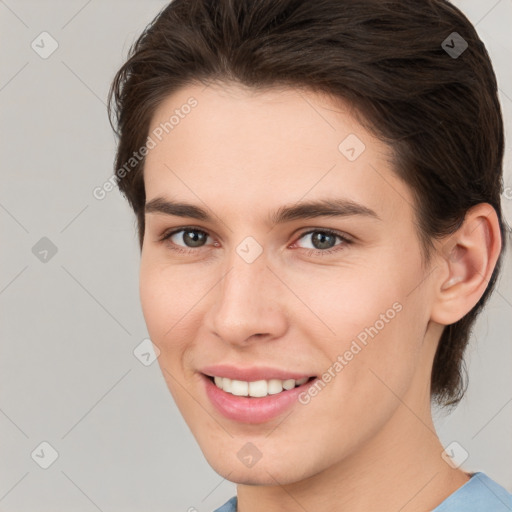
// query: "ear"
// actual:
[[467, 258]]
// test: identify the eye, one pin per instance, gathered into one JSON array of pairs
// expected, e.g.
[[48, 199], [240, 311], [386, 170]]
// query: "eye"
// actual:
[[193, 238], [324, 241]]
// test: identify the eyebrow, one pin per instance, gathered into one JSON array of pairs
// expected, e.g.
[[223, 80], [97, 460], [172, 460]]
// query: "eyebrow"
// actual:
[[302, 210]]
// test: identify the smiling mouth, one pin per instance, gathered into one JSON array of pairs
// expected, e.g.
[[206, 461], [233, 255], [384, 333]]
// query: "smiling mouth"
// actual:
[[259, 388]]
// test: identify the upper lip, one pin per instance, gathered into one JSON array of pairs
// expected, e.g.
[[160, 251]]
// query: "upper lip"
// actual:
[[252, 373]]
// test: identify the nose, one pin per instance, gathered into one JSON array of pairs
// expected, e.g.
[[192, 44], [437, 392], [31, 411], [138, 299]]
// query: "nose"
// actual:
[[248, 303]]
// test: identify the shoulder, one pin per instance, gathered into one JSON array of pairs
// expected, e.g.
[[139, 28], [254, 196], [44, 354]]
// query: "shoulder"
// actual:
[[479, 494], [229, 506]]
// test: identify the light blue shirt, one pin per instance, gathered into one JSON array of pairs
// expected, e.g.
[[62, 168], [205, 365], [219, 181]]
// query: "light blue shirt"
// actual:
[[479, 494]]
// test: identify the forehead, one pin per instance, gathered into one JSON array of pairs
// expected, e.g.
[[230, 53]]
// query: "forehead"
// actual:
[[251, 150]]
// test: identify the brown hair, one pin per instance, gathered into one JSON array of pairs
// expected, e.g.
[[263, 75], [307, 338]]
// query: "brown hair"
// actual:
[[438, 112]]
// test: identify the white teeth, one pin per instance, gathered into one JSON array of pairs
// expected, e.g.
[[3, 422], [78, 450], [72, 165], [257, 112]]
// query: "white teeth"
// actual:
[[226, 384], [258, 388], [275, 386], [289, 384], [239, 388]]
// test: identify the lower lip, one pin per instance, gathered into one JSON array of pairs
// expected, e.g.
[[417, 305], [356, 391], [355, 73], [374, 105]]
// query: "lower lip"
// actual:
[[253, 410]]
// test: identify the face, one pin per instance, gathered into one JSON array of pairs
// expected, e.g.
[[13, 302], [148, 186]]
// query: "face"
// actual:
[[254, 284]]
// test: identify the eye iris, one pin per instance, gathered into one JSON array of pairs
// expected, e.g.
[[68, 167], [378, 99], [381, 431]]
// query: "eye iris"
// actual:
[[319, 240], [194, 238]]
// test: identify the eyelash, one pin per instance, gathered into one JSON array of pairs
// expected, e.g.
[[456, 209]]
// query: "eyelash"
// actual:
[[165, 238]]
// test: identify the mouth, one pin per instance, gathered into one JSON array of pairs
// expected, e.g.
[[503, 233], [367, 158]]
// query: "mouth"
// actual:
[[255, 401], [259, 388]]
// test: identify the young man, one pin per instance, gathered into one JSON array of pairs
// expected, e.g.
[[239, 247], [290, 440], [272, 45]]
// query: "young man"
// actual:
[[317, 188]]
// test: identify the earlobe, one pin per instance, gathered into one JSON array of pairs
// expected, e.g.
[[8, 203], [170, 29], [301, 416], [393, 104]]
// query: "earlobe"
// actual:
[[468, 258]]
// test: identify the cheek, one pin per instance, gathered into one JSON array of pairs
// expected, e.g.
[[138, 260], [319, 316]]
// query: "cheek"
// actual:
[[153, 299], [171, 298], [340, 303], [374, 324], [167, 316], [163, 304]]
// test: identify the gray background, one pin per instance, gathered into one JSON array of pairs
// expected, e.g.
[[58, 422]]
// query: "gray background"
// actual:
[[70, 325]]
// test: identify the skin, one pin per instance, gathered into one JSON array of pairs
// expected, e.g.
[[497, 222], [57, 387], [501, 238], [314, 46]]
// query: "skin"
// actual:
[[367, 440]]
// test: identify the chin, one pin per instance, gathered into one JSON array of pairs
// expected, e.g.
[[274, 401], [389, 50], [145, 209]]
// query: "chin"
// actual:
[[269, 470], [253, 476]]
